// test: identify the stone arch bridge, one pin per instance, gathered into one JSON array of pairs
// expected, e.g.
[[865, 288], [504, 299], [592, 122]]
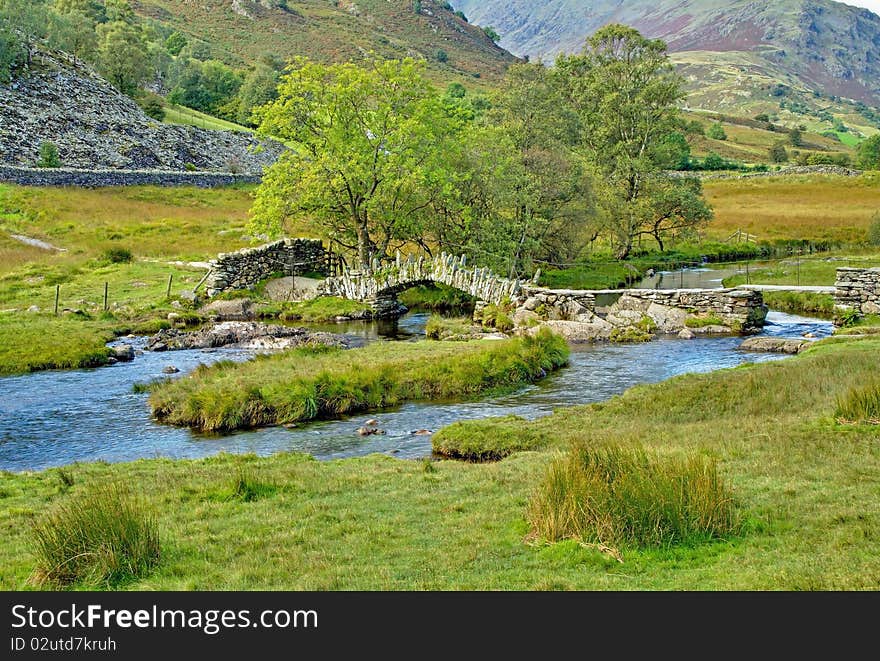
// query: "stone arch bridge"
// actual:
[[721, 310], [379, 286]]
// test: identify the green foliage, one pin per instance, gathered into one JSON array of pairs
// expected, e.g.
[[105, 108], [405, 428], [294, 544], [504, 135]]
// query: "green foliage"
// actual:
[[492, 34], [462, 16], [442, 328], [259, 88], [778, 154], [441, 56], [796, 137], [103, 536], [874, 230], [716, 132], [625, 92], [474, 442], [438, 298], [323, 308], [175, 43], [312, 383], [49, 157], [209, 87], [630, 335], [117, 255], [122, 53], [803, 303], [869, 153], [369, 153], [12, 53], [620, 497], [703, 321], [153, 107], [859, 405], [672, 152]]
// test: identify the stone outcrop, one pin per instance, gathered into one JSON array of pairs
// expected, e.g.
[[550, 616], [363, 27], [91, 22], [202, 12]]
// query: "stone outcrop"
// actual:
[[248, 266], [239, 309], [243, 335], [774, 345], [62, 101], [858, 290]]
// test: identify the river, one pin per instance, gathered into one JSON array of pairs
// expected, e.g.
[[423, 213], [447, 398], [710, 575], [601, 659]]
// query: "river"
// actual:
[[59, 417]]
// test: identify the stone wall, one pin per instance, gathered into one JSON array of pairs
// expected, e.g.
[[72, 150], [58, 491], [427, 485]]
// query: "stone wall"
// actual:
[[247, 267], [596, 314], [858, 289], [104, 178]]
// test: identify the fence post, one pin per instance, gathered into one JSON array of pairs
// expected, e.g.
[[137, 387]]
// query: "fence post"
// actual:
[[168, 291], [106, 286], [57, 294]]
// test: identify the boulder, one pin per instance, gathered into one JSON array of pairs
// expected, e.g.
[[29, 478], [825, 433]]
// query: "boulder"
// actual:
[[686, 334], [576, 331], [523, 317], [244, 335], [238, 309], [122, 352], [774, 345], [171, 369], [668, 319]]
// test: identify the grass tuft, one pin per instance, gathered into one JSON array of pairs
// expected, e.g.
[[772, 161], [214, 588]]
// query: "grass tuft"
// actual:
[[859, 405], [617, 497], [102, 537]]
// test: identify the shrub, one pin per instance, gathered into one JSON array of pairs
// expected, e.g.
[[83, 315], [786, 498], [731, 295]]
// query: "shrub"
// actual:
[[859, 405], [778, 154], [152, 107], [104, 536], [616, 497], [716, 132], [189, 167], [874, 230], [118, 255], [441, 56], [492, 33], [49, 157]]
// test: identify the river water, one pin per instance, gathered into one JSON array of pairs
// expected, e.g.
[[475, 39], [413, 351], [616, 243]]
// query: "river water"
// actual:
[[56, 418]]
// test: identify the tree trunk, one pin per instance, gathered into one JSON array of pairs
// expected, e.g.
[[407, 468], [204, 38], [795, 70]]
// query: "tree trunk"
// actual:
[[657, 236]]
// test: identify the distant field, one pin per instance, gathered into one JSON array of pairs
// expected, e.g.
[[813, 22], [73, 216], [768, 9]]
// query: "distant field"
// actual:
[[828, 207], [175, 114]]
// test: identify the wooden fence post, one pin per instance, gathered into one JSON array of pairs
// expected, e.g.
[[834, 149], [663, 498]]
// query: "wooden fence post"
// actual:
[[168, 291], [57, 294], [106, 285]]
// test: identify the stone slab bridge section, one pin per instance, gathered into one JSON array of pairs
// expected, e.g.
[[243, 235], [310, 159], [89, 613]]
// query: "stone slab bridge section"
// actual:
[[597, 312]]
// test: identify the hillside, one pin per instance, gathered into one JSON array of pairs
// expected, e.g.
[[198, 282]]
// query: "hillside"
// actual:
[[241, 31], [805, 45], [64, 102]]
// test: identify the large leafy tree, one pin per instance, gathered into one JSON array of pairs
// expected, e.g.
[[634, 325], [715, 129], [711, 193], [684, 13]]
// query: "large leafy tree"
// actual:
[[368, 153], [537, 201], [625, 91]]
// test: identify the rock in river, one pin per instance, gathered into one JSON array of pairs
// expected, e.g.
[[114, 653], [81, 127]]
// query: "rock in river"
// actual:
[[243, 335], [774, 345]]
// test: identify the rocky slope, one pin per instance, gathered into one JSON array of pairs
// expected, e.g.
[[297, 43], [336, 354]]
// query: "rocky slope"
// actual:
[[824, 45], [64, 102]]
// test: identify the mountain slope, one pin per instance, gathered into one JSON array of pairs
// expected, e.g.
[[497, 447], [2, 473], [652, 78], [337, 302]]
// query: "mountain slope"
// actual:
[[64, 102], [819, 44], [241, 31]]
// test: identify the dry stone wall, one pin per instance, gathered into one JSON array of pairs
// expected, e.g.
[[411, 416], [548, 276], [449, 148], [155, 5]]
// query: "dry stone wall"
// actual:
[[247, 267], [104, 178], [858, 289]]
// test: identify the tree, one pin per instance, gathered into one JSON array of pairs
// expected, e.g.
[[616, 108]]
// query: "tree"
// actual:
[[796, 137], [207, 86], [259, 88], [778, 154], [122, 56], [48, 156], [492, 34], [73, 32], [529, 196], [26, 20], [625, 91], [868, 157], [175, 43], [676, 208], [672, 152], [716, 132], [13, 53], [368, 153]]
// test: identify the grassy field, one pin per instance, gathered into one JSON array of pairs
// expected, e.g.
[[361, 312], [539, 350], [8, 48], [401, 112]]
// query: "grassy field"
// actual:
[[175, 114], [162, 228], [805, 488], [831, 208]]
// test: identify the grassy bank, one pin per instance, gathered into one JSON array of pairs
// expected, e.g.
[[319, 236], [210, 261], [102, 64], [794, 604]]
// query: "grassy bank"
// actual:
[[805, 488], [307, 384], [438, 298]]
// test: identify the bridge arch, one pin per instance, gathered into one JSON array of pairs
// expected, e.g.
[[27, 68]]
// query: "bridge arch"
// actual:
[[379, 286]]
